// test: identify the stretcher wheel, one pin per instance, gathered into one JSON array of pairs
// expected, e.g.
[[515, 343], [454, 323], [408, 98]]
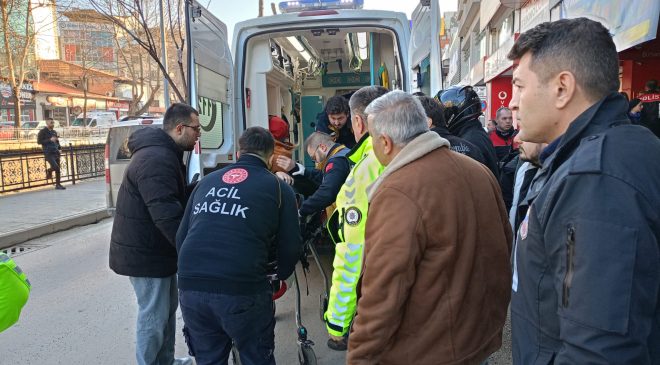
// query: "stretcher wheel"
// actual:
[[306, 355]]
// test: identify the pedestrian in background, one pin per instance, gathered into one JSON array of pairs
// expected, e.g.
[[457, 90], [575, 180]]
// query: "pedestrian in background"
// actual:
[[491, 125], [586, 261], [503, 136], [436, 268], [150, 205], [50, 143], [238, 220], [650, 113]]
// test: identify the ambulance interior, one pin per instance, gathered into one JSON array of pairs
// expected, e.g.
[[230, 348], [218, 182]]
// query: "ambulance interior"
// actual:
[[295, 73]]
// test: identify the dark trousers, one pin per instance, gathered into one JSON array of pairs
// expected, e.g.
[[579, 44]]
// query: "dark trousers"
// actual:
[[213, 321], [54, 162]]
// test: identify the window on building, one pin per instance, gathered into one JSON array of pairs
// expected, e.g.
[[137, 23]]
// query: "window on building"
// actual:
[[506, 29], [555, 12]]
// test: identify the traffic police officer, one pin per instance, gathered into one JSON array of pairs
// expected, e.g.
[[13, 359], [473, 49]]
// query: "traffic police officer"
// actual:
[[238, 219], [348, 223]]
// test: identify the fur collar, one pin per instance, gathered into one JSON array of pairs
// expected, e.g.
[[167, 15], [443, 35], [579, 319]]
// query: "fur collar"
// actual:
[[414, 150]]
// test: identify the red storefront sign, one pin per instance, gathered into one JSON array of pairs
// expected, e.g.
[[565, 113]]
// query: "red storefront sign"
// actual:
[[500, 94], [117, 105]]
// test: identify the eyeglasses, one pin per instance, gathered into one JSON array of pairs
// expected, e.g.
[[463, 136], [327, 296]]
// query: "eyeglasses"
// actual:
[[313, 156], [197, 128]]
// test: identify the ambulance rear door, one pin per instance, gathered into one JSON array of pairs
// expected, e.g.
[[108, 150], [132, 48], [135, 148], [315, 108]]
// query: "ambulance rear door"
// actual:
[[424, 49], [210, 79]]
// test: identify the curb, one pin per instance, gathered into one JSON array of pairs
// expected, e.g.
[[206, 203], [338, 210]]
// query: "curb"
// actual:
[[15, 237]]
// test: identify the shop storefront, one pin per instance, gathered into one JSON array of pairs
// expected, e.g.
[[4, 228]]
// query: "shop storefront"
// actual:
[[634, 26], [497, 74], [64, 103], [27, 100], [119, 107]]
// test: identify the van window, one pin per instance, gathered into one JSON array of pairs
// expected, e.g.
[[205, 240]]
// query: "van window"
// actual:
[[212, 73], [211, 92], [93, 123], [79, 122], [118, 141]]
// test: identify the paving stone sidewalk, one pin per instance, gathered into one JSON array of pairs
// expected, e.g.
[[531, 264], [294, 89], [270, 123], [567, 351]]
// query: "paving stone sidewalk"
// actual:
[[27, 215]]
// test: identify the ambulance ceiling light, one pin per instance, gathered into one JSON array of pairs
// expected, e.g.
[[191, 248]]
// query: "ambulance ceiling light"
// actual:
[[296, 44], [305, 55], [362, 46]]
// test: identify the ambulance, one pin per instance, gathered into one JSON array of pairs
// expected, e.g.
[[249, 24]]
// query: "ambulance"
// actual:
[[289, 65]]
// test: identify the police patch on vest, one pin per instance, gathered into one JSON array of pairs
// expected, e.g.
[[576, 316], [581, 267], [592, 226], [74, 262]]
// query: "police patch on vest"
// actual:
[[353, 216], [235, 176]]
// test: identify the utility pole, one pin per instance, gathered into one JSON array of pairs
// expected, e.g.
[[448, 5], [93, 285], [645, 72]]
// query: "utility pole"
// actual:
[[166, 85]]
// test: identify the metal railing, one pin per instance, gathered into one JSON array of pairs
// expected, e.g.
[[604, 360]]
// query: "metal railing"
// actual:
[[26, 169], [22, 139]]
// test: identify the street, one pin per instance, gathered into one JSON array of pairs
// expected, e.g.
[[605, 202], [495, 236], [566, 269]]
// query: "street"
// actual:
[[80, 312]]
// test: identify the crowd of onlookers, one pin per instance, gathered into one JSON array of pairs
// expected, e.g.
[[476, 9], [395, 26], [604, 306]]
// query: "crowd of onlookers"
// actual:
[[440, 228]]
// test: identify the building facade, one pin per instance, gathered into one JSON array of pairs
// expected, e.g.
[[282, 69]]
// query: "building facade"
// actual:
[[484, 32]]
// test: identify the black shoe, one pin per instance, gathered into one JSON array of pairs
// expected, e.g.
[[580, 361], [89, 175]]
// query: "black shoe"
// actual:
[[59, 187], [341, 345], [49, 173]]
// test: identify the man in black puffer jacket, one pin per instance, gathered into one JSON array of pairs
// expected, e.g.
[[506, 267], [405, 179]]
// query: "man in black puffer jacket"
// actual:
[[149, 209], [462, 110]]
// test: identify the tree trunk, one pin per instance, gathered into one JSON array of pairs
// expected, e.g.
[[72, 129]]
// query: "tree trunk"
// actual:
[[17, 112], [84, 109]]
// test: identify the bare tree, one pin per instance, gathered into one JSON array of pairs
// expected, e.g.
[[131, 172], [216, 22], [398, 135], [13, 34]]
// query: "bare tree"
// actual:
[[18, 32], [138, 19], [139, 70], [177, 32], [18, 41]]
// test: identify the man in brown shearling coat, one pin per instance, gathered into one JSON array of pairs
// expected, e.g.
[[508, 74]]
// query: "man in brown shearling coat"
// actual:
[[436, 278]]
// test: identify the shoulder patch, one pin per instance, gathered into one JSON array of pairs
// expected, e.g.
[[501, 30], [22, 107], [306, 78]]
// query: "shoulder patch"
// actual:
[[235, 176], [329, 166], [588, 156], [353, 216]]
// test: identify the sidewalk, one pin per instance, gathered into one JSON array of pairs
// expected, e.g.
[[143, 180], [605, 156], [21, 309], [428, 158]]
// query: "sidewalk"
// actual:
[[25, 216]]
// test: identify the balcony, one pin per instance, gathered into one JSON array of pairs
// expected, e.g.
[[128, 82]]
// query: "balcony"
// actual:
[[467, 11]]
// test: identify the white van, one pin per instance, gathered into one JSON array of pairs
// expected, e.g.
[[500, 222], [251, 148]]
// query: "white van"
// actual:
[[117, 154], [289, 64], [95, 120]]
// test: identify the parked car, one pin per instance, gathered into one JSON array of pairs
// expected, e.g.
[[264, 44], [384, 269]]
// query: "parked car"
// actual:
[[6, 130]]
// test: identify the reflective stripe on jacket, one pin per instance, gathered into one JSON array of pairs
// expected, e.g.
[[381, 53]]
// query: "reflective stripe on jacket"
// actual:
[[351, 218]]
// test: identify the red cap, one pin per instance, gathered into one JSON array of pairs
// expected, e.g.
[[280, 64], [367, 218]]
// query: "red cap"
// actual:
[[278, 128]]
